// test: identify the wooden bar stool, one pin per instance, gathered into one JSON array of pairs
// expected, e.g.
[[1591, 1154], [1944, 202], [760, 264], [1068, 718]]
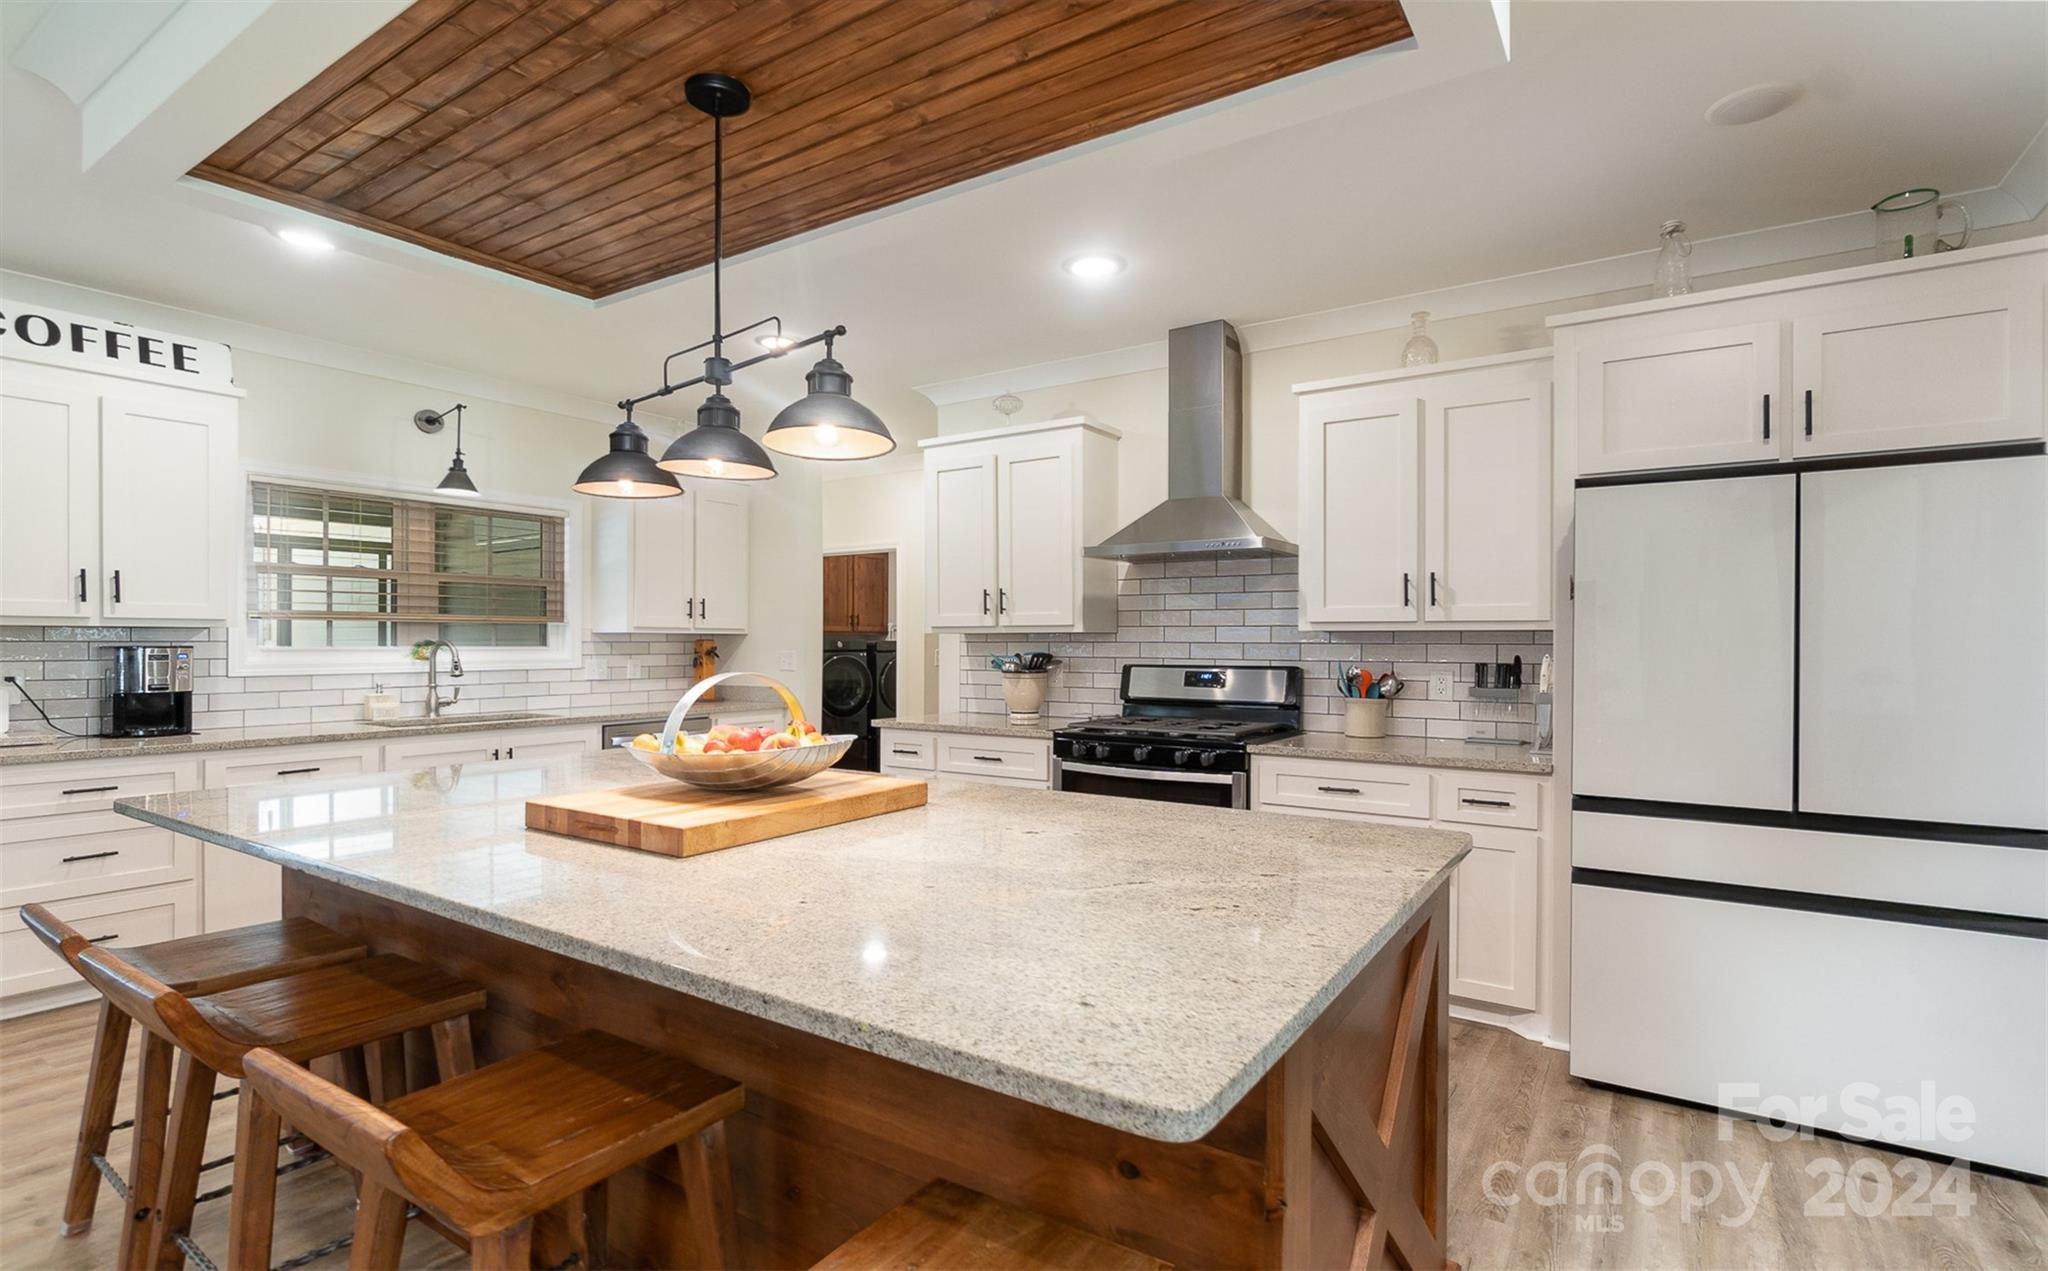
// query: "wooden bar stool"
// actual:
[[194, 965], [371, 1002], [487, 1153], [947, 1225]]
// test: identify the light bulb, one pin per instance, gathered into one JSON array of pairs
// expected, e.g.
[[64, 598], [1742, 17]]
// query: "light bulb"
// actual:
[[828, 436], [775, 343], [306, 240], [1095, 266], [715, 466], [625, 486]]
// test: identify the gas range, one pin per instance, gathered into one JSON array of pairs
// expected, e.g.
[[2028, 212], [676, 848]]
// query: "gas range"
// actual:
[[1183, 733]]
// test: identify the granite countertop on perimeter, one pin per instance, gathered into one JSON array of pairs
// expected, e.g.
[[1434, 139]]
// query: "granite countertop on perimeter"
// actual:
[[980, 725], [1138, 964], [1416, 752], [29, 748]]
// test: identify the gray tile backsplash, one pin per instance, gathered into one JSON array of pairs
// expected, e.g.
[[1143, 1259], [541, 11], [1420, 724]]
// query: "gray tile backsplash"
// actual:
[[1244, 611], [60, 666]]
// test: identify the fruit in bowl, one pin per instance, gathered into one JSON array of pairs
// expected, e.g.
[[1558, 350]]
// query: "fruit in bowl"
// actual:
[[729, 739]]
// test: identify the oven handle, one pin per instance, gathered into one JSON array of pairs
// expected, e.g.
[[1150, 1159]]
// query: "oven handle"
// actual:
[[1150, 774]]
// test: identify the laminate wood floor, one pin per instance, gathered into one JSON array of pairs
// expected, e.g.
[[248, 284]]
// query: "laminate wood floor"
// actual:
[[1520, 1128]]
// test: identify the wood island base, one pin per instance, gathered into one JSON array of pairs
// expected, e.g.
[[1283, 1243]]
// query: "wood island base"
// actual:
[[1335, 1159]]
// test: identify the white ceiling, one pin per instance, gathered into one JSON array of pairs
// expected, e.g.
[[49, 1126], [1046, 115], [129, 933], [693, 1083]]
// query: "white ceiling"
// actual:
[[1393, 174]]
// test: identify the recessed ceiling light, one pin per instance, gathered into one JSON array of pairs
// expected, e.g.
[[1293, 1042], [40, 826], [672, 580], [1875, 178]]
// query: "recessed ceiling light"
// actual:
[[306, 240], [1748, 105], [1094, 266], [775, 343]]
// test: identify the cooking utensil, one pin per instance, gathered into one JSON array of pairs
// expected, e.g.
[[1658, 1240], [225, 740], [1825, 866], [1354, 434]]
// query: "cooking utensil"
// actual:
[[1390, 685], [741, 770]]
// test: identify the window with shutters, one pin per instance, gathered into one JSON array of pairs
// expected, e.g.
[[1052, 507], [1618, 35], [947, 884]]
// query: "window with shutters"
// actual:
[[334, 569]]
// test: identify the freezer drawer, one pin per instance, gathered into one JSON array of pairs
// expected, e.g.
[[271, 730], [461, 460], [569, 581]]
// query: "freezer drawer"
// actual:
[[1728, 1004], [1923, 642]]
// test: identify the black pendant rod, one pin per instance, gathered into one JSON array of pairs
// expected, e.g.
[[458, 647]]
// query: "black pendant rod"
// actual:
[[827, 335], [717, 233]]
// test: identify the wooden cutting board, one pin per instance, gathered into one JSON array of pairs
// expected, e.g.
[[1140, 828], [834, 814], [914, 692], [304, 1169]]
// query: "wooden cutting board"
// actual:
[[680, 820]]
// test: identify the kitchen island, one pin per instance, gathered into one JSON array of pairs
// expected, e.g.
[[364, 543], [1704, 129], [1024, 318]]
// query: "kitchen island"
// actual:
[[1215, 1036]]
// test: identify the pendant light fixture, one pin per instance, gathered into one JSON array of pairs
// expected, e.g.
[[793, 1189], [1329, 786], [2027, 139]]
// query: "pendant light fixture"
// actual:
[[716, 448], [457, 481], [627, 471]]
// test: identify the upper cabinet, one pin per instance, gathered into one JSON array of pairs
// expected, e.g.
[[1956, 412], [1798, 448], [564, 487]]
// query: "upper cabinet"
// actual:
[[1007, 516], [857, 593], [1425, 496], [1942, 351], [672, 565], [119, 501]]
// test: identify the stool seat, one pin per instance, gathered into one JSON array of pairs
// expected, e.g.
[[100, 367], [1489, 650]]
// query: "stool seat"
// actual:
[[336, 1008], [947, 1225], [229, 959]]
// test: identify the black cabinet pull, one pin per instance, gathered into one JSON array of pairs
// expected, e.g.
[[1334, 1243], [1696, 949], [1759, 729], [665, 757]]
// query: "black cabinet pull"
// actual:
[[117, 586], [989, 758], [89, 856], [81, 586], [1809, 412], [900, 751], [1405, 590], [1432, 589], [1767, 416], [494, 752], [703, 608], [1338, 789], [1486, 803], [984, 600], [90, 790], [293, 772], [693, 606], [103, 939], [1002, 600], [508, 752]]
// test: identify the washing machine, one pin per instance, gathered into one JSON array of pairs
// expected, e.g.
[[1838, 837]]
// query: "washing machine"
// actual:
[[848, 691]]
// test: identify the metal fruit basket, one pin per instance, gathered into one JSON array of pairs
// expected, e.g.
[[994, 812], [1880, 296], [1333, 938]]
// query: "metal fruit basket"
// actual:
[[739, 770]]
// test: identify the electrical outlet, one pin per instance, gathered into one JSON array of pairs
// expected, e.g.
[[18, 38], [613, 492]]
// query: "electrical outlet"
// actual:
[[1440, 687], [788, 662]]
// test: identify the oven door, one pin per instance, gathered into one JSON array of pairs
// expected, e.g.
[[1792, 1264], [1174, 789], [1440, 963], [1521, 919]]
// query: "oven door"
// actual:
[[1168, 785]]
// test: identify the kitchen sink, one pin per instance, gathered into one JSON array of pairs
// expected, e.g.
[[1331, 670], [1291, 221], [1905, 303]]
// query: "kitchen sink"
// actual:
[[487, 717]]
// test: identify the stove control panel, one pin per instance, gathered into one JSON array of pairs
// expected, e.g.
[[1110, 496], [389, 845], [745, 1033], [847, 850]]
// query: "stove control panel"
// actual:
[[1151, 754]]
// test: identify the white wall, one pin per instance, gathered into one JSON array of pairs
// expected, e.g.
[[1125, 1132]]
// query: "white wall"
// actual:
[[886, 510]]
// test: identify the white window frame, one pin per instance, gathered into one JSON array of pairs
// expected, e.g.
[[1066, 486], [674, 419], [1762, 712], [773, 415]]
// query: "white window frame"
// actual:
[[246, 652]]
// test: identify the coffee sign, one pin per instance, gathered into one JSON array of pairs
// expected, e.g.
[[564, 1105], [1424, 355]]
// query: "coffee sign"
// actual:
[[37, 333]]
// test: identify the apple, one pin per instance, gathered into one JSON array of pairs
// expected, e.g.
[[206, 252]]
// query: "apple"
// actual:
[[717, 746]]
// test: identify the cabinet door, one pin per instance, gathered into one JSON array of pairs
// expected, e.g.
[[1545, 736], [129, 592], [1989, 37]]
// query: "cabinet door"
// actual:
[[870, 593], [1919, 370], [1359, 478], [1682, 670], [1494, 918], [839, 593], [722, 548], [434, 752], [1036, 535], [960, 539], [1676, 400], [1486, 506], [169, 507], [662, 560], [550, 743], [49, 500]]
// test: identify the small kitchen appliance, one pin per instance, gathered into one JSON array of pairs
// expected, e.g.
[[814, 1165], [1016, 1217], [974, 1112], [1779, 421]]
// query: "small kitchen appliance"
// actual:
[[149, 690], [1184, 734]]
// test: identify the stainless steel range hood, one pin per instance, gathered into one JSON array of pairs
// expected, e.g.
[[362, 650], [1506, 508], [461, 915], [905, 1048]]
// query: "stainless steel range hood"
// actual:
[[1203, 514]]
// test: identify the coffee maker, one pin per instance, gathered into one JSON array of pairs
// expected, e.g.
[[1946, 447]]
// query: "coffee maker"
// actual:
[[149, 690]]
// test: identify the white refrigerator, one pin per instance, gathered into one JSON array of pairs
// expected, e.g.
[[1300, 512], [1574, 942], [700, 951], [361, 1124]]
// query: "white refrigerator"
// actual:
[[1810, 794]]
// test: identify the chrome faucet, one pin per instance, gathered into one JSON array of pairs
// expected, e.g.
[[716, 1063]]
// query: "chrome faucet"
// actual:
[[435, 702]]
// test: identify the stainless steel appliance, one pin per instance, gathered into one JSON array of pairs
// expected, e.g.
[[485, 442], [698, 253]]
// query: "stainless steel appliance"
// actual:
[[1183, 736], [622, 732], [149, 690]]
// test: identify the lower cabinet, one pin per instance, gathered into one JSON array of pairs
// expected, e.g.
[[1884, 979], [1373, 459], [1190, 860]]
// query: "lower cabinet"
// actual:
[[32, 978], [982, 758], [1496, 902], [237, 889]]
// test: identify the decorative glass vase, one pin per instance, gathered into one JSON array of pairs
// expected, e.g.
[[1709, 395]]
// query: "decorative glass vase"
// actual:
[[1674, 275], [1420, 349]]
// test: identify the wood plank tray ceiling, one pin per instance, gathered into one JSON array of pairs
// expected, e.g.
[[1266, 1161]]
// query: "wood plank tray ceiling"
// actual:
[[550, 139]]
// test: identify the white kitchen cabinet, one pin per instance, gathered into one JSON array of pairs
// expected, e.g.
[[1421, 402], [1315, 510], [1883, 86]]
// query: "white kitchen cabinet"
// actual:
[[550, 743], [49, 498], [1494, 911], [1912, 361], [996, 759], [488, 746], [1426, 497], [673, 565], [1008, 514], [32, 978], [119, 501], [237, 889], [1666, 401]]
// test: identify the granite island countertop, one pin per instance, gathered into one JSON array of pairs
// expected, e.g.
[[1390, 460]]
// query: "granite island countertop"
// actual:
[[1138, 964], [28, 748]]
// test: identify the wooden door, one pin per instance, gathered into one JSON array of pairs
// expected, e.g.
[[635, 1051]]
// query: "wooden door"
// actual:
[[170, 506], [1359, 480], [1673, 401], [839, 593], [1486, 505], [1908, 369], [722, 548], [869, 589], [1037, 532], [49, 500], [960, 537]]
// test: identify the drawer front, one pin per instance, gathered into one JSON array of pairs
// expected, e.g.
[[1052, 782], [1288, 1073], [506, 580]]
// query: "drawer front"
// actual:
[[1322, 786], [287, 765], [87, 787], [1021, 759], [97, 852], [1480, 798], [909, 750], [433, 752], [144, 916]]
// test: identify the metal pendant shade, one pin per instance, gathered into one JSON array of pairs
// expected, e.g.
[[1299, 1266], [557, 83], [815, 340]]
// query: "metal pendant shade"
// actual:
[[716, 448], [627, 471], [457, 481], [826, 423]]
